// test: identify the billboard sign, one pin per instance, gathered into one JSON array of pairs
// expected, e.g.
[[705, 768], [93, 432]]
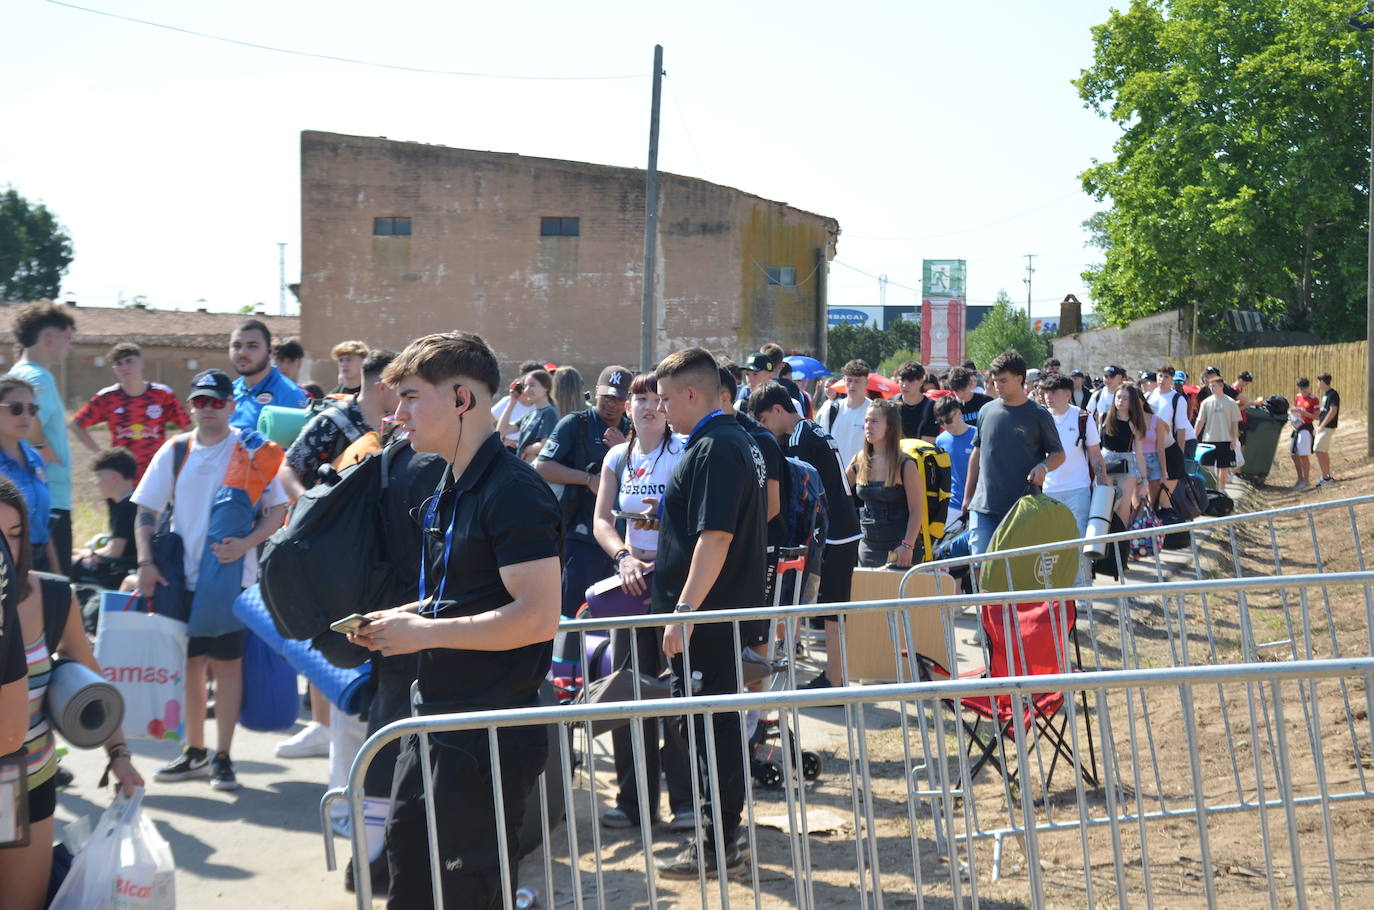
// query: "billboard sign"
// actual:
[[1045, 326], [943, 303], [855, 315]]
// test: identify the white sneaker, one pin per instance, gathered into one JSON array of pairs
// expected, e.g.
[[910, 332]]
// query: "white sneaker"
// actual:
[[1301, 485], [311, 742]]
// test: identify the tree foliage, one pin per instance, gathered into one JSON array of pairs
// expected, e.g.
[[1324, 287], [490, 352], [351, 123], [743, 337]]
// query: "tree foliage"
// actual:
[[1006, 326], [34, 250], [1239, 179], [870, 344]]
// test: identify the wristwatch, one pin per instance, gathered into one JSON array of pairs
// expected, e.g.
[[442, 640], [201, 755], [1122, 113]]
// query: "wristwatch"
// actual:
[[683, 608]]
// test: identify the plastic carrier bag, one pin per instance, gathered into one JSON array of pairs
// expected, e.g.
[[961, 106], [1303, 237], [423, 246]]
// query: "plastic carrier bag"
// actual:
[[126, 865], [144, 657]]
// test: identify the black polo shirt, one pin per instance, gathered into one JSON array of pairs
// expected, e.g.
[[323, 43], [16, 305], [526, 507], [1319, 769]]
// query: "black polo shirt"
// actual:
[[773, 470], [717, 485], [506, 515]]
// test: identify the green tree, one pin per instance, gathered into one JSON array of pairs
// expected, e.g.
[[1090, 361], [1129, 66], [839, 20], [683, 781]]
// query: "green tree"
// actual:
[[34, 249], [1006, 326], [1239, 177]]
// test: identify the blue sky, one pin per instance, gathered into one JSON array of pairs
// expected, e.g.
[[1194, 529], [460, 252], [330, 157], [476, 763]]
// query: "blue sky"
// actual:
[[173, 160]]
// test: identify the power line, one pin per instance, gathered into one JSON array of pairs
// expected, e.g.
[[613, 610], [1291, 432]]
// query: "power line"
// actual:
[[685, 128], [968, 229], [876, 277], [332, 58]]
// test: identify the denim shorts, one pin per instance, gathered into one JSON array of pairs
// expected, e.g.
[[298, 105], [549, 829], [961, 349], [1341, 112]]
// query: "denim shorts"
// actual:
[[1152, 468]]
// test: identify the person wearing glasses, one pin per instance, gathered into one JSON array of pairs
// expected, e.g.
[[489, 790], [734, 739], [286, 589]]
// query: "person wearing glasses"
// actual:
[[191, 471], [23, 464], [956, 438]]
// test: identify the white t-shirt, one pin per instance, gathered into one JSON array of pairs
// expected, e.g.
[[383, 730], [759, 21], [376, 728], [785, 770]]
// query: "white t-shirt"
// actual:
[[847, 429], [1163, 404], [520, 410], [644, 476], [200, 478], [1074, 473]]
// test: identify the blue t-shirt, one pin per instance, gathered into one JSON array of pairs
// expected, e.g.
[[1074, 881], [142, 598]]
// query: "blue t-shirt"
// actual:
[[53, 418], [959, 449], [32, 480], [275, 389]]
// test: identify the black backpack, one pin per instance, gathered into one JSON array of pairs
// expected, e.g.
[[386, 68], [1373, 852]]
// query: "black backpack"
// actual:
[[327, 562]]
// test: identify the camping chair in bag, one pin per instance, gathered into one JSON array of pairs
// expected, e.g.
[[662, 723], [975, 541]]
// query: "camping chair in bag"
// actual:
[[1035, 646]]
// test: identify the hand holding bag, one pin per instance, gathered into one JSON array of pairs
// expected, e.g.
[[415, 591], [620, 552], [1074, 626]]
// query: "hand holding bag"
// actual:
[[143, 655], [1145, 547], [125, 864]]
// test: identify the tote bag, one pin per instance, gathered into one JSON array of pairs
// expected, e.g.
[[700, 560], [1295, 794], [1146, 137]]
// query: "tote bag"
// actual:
[[143, 655]]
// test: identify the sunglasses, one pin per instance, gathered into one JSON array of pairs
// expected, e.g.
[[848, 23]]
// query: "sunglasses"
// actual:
[[17, 408], [207, 402]]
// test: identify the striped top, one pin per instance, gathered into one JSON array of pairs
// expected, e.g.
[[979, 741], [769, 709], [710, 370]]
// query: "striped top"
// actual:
[[42, 756]]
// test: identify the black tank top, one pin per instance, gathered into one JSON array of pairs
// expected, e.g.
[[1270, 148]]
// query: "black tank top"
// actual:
[[1118, 435]]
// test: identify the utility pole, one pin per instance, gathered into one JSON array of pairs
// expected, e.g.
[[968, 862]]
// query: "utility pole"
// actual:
[[1366, 25], [648, 335], [882, 294], [1030, 270], [281, 279]]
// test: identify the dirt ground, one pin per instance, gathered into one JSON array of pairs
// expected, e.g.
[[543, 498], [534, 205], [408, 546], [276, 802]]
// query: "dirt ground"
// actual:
[[1153, 758]]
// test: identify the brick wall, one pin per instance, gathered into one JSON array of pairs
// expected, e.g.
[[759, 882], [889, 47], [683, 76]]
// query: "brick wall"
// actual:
[[475, 259]]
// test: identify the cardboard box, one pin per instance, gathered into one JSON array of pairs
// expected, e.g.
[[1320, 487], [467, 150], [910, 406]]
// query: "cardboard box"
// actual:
[[871, 650]]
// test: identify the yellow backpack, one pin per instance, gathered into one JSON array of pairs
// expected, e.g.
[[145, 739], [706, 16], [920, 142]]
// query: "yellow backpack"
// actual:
[[934, 465]]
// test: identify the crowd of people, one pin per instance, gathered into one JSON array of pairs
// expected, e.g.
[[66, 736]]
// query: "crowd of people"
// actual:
[[505, 502]]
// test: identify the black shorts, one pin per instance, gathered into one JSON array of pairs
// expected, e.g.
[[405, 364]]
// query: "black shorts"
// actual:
[[1221, 456], [837, 575], [43, 801], [1173, 463], [228, 646]]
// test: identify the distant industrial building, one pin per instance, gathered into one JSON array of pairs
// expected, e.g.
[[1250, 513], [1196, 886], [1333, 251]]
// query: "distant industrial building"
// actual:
[[544, 258]]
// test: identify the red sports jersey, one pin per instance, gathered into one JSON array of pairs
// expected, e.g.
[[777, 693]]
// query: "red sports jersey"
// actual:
[[137, 422]]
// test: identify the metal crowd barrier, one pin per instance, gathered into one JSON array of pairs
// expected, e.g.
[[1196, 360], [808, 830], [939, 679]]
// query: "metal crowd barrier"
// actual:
[[1304, 860], [940, 794]]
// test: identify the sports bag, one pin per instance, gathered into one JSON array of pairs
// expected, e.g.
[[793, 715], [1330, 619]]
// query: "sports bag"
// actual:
[[327, 562], [1169, 516], [1033, 519], [1219, 505], [1189, 497]]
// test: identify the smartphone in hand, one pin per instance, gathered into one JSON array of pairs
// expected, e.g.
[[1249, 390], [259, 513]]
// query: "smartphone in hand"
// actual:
[[350, 625]]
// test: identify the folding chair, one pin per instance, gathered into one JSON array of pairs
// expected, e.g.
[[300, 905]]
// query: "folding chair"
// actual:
[[1035, 646]]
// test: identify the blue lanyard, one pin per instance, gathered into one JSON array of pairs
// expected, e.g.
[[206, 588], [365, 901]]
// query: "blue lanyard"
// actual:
[[702, 422], [430, 512]]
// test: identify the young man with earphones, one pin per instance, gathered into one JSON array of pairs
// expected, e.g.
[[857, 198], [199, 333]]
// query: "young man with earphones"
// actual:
[[483, 624]]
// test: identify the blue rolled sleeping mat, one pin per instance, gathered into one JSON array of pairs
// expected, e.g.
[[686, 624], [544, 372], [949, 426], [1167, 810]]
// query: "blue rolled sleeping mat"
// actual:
[[345, 688]]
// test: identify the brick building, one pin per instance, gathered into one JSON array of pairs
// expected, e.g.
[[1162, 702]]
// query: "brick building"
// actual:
[[544, 258], [176, 345]]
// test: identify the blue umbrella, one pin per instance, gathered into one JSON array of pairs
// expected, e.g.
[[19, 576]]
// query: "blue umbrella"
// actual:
[[806, 367]]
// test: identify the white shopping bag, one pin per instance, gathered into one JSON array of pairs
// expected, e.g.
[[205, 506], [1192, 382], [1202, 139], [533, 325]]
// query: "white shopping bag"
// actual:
[[126, 865], [144, 657]]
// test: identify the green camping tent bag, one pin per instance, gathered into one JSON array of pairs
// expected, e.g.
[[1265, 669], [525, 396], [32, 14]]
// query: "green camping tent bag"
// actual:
[[1034, 519]]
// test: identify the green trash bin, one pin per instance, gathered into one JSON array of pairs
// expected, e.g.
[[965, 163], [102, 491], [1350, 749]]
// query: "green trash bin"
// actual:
[[1262, 432]]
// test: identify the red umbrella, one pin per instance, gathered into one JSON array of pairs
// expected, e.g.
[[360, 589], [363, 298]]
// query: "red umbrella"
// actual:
[[877, 382]]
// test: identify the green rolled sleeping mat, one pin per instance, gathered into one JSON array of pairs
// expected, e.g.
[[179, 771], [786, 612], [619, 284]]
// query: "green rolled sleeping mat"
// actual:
[[282, 425]]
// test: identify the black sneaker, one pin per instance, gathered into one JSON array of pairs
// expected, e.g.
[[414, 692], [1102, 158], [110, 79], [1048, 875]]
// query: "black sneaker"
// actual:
[[380, 873], [190, 763], [63, 778], [684, 866], [820, 682], [222, 773]]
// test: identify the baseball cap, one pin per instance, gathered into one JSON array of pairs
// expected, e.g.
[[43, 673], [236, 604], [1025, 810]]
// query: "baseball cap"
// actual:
[[1180, 376], [1149, 375], [1212, 370], [214, 383], [1112, 369], [615, 380], [1076, 373], [1245, 376], [1032, 375], [758, 362]]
